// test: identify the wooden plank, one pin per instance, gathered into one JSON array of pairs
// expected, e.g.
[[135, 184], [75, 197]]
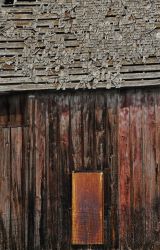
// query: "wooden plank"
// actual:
[[25, 186], [53, 172], [25, 87], [156, 206], [88, 128], [40, 174], [11, 45], [5, 188], [46, 200], [80, 72], [138, 83], [87, 208], [16, 81], [64, 170], [149, 162], [10, 73], [41, 170], [76, 132], [137, 192], [26, 80], [11, 52], [31, 174], [124, 167], [149, 60], [19, 73], [140, 68], [112, 195], [143, 75], [49, 83], [16, 188], [100, 122]]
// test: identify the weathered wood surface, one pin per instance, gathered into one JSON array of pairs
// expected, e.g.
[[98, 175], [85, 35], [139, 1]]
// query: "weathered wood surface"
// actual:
[[117, 132], [138, 169], [84, 44]]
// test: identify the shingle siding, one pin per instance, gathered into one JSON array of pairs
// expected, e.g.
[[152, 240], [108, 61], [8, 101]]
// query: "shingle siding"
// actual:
[[79, 44]]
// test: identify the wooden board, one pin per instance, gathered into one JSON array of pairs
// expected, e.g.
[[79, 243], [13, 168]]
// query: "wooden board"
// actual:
[[87, 208], [115, 132]]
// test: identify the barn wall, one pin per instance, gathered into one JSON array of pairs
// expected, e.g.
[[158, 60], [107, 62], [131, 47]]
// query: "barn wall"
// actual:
[[117, 132], [79, 44]]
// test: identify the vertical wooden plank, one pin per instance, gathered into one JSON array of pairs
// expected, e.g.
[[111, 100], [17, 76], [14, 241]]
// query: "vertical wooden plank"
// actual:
[[76, 155], [46, 205], [53, 172], [149, 161], [42, 163], [64, 172], [4, 188], [16, 188], [124, 167], [137, 213], [25, 176], [100, 122], [112, 169], [156, 206], [88, 123], [31, 174], [40, 178]]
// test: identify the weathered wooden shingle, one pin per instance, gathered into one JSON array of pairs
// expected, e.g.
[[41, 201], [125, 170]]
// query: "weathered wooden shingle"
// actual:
[[79, 44]]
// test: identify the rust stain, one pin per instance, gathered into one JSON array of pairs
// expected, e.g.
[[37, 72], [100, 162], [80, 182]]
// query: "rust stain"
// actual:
[[87, 208]]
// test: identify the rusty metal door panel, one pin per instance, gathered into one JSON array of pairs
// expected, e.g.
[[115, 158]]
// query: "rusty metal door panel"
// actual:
[[87, 208]]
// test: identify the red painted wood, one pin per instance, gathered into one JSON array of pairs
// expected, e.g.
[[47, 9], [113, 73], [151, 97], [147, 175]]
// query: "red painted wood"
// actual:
[[124, 166], [136, 145]]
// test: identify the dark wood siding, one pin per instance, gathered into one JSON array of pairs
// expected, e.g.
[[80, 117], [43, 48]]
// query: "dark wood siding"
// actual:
[[117, 132]]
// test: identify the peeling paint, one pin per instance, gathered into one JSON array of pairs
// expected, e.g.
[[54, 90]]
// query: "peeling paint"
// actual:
[[92, 34]]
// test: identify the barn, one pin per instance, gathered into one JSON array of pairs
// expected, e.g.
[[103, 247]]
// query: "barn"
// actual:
[[79, 125]]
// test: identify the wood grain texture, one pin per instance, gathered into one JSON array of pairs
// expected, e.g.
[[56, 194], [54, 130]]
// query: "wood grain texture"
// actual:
[[111, 170], [116, 132], [124, 165], [137, 197], [5, 195], [141, 231], [16, 188]]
